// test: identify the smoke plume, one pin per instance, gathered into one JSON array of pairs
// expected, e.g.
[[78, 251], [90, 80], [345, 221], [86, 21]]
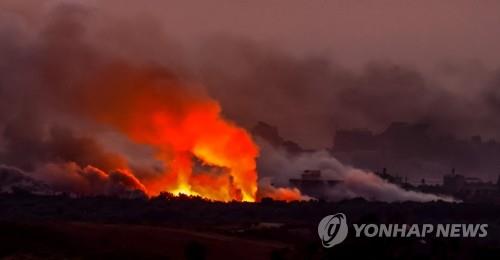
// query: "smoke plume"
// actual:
[[78, 91], [72, 76], [280, 166]]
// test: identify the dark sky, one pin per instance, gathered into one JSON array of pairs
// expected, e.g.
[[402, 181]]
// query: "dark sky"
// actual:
[[306, 61], [309, 68], [352, 32]]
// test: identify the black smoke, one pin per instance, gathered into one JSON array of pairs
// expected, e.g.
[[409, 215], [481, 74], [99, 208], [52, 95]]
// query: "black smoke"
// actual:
[[47, 61]]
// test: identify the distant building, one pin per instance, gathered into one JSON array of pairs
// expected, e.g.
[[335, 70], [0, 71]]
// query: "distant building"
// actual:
[[312, 184], [416, 150], [453, 183], [469, 189]]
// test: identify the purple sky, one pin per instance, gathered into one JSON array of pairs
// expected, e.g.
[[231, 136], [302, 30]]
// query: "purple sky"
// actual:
[[352, 32], [453, 44], [307, 67]]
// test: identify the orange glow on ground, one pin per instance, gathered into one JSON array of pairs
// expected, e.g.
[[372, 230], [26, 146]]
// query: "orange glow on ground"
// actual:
[[182, 127], [185, 128]]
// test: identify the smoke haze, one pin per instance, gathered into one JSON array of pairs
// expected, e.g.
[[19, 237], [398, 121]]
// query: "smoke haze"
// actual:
[[54, 52], [278, 166]]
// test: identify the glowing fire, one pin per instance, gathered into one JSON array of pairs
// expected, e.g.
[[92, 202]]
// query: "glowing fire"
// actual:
[[205, 154], [199, 133], [184, 128]]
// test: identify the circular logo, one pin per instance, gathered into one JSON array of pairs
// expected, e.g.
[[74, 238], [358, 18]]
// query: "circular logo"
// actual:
[[332, 229]]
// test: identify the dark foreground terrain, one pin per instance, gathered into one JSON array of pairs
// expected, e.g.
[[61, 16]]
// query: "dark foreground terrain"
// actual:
[[60, 227]]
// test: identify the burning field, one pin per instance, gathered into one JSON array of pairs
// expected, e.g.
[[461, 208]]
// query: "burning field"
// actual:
[[200, 152], [84, 114], [203, 154], [77, 93], [229, 130]]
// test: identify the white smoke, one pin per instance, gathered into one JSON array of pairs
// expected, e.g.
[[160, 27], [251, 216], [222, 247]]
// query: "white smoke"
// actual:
[[280, 166]]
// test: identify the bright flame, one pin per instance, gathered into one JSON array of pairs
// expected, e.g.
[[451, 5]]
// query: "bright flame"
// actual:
[[186, 129], [203, 134]]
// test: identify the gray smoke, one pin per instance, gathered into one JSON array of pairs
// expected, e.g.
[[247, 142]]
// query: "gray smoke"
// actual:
[[49, 50], [44, 135], [280, 166], [313, 96]]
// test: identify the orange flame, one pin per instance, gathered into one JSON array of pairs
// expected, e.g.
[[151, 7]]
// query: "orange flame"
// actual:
[[201, 133], [184, 127]]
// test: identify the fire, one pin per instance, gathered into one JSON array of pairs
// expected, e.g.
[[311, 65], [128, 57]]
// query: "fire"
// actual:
[[203, 134], [186, 129], [267, 190], [204, 154]]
